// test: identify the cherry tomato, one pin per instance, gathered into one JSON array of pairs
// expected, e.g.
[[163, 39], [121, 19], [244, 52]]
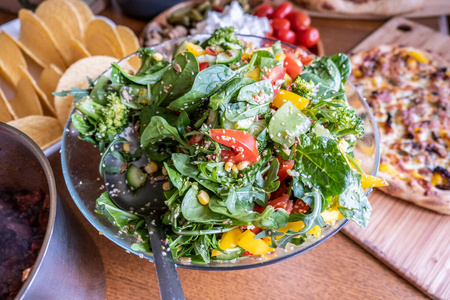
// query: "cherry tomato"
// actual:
[[282, 10], [264, 10], [308, 37], [203, 65], [246, 253], [280, 202], [285, 165], [274, 74], [281, 24], [300, 207], [210, 50], [243, 144], [293, 66], [282, 189], [196, 139], [299, 20], [287, 36]]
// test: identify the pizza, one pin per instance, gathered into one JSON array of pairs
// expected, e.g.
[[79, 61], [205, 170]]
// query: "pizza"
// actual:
[[373, 7], [408, 91]]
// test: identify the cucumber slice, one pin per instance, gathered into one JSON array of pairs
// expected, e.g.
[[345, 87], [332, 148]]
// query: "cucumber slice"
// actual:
[[230, 254], [207, 58], [232, 46], [229, 56], [135, 177]]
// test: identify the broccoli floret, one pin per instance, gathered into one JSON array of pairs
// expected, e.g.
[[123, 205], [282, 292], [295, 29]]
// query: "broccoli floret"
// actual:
[[222, 36], [111, 119], [148, 62], [303, 88]]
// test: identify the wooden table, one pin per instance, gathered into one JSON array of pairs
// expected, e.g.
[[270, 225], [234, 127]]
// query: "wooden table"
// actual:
[[337, 269]]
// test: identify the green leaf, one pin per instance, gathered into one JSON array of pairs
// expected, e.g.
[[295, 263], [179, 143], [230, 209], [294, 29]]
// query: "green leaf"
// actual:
[[228, 91], [194, 211], [243, 110], [260, 92], [157, 130], [151, 76], [75, 91], [206, 83], [183, 164], [343, 64]]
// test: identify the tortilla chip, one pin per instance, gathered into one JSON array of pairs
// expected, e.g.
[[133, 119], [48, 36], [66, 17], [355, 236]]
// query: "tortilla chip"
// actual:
[[25, 50], [64, 11], [5, 109], [42, 130], [10, 58], [101, 27], [77, 51], [75, 76], [131, 44], [36, 36], [48, 82], [26, 102], [84, 11], [100, 45], [48, 108], [62, 35]]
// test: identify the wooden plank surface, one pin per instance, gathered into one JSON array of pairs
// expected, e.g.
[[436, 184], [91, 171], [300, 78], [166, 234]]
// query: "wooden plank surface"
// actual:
[[413, 241], [430, 8]]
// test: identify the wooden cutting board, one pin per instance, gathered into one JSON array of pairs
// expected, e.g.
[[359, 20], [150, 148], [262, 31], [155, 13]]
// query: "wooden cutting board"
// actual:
[[413, 241]]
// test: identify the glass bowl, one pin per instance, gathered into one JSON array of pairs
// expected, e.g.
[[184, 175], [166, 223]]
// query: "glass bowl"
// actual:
[[80, 162]]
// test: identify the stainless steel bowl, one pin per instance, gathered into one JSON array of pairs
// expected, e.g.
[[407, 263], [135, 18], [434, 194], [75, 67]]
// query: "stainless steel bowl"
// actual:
[[68, 265]]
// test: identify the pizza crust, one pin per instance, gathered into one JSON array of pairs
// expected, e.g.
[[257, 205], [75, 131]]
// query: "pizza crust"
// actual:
[[436, 200], [373, 7]]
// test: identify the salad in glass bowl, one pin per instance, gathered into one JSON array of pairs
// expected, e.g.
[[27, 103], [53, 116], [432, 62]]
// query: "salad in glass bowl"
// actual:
[[252, 142]]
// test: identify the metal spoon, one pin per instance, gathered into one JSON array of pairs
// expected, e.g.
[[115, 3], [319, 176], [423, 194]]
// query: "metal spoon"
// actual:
[[148, 202]]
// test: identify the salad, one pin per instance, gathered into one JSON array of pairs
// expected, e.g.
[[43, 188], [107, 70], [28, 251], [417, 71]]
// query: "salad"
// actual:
[[253, 147]]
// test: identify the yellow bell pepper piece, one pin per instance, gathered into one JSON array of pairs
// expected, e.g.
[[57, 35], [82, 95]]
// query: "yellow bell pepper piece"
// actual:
[[284, 96], [418, 56], [255, 246], [331, 215], [255, 74], [316, 231], [195, 49], [288, 79], [296, 226], [280, 56], [228, 241], [438, 179], [372, 181]]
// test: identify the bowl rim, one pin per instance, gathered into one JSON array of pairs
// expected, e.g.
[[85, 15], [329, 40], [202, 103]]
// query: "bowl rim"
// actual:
[[205, 267], [39, 155]]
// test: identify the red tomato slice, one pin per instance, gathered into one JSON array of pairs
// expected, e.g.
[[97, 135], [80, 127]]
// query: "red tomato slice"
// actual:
[[293, 68], [264, 10], [282, 10], [280, 202], [210, 51], [246, 253], [203, 65], [282, 189], [196, 139], [284, 166], [300, 207], [243, 144], [274, 74]]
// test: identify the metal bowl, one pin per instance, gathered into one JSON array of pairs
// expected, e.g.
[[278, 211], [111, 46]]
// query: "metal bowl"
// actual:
[[80, 162], [68, 265]]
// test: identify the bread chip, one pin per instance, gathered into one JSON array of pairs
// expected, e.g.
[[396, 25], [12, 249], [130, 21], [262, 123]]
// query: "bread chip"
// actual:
[[131, 44], [83, 10], [75, 76], [100, 27], [10, 59], [64, 11], [77, 51], [36, 36], [5, 115], [42, 130], [48, 82], [47, 106], [26, 102], [99, 45]]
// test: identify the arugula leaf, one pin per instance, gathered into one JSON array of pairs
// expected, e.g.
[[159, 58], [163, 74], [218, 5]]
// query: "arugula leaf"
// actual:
[[169, 88], [158, 129], [75, 91], [206, 83], [288, 123]]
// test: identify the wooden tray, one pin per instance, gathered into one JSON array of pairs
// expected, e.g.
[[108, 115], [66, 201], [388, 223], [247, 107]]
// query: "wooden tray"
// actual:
[[413, 241], [161, 19], [431, 8]]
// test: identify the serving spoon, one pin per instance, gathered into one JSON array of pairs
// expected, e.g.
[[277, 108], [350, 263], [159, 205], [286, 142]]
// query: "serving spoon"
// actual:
[[148, 202]]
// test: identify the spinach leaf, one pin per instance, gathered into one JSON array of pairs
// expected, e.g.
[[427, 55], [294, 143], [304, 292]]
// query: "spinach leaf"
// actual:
[[149, 111], [183, 164], [322, 90], [206, 83], [353, 203], [182, 122], [260, 54], [151, 77], [242, 110], [288, 123], [343, 64], [169, 88], [194, 211], [260, 92], [157, 130], [272, 219], [270, 63], [228, 91], [321, 166], [326, 70]]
